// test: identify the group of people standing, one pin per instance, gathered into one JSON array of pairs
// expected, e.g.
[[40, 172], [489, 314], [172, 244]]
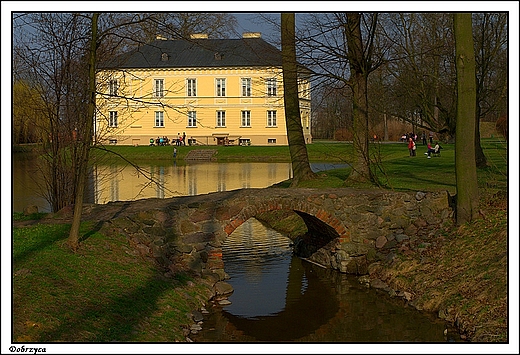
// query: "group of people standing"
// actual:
[[412, 137]]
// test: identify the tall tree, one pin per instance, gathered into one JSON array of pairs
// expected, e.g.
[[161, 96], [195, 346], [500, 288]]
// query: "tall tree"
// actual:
[[359, 59], [86, 139], [465, 166], [297, 147]]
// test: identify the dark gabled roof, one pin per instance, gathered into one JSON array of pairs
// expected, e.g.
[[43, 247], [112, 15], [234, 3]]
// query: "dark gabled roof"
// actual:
[[198, 53]]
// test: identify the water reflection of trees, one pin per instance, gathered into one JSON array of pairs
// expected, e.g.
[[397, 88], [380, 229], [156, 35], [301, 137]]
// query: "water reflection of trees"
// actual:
[[305, 311]]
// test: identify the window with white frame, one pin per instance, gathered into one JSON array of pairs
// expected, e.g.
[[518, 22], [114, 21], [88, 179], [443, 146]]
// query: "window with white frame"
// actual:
[[304, 88], [112, 87], [221, 87], [246, 86], [191, 85], [159, 119], [271, 140], [246, 119], [271, 86], [112, 119], [221, 118], [158, 88], [271, 118], [192, 119]]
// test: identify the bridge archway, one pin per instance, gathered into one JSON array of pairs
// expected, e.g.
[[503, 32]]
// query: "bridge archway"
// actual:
[[322, 225]]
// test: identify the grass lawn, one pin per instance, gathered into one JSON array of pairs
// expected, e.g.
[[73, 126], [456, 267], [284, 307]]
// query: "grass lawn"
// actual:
[[320, 151], [100, 294]]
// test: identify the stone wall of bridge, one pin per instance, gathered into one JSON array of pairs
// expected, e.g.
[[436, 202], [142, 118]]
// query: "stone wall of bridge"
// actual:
[[347, 228]]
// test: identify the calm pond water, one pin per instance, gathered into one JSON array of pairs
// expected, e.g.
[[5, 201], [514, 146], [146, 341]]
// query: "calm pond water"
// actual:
[[281, 298], [124, 183]]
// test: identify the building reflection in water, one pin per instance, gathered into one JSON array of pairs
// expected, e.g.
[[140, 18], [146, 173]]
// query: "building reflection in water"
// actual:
[[123, 183]]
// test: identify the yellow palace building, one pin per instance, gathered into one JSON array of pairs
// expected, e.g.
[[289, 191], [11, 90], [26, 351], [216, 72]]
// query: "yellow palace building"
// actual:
[[204, 91]]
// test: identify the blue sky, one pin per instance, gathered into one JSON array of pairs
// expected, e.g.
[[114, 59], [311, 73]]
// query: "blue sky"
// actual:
[[248, 22], [253, 22]]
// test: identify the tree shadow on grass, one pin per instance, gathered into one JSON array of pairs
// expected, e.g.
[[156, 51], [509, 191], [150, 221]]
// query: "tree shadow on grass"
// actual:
[[52, 234], [45, 240], [411, 173], [116, 321]]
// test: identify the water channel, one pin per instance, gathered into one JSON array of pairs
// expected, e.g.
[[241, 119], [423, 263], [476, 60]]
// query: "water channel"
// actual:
[[281, 298], [277, 297]]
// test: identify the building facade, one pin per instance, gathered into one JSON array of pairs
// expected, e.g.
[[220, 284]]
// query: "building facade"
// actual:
[[203, 91]]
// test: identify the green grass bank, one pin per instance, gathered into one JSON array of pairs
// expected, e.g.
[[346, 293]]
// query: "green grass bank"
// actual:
[[102, 293]]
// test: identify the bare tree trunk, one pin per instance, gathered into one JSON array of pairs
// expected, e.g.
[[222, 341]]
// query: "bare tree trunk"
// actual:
[[465, 166], [86, 140], [361, 169], [299, 156], [358, 83]]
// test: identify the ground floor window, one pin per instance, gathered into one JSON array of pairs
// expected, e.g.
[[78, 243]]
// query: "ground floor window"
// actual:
[[271, 118], [271, 140], [159, 119], [246, 119], [221, 118], [192, 119], [245, 141]]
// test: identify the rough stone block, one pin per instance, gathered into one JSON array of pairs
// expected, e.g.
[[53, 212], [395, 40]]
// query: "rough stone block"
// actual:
[[197, 237], [411, 229], [223, 288], [161, 216], [374, 234], [187, 227], [154, 231], [355, 249], [201, 215], [381, 241], [221, 274], [420, 222]]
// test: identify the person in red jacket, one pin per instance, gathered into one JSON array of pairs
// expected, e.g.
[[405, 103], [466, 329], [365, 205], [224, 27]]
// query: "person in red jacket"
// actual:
[[411, 147]]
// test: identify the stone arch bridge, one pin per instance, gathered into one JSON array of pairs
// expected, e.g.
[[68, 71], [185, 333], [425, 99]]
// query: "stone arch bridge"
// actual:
[[346, 227]]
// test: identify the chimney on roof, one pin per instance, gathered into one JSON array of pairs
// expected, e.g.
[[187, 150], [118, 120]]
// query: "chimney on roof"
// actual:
[[252, 35], [199, 36]]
